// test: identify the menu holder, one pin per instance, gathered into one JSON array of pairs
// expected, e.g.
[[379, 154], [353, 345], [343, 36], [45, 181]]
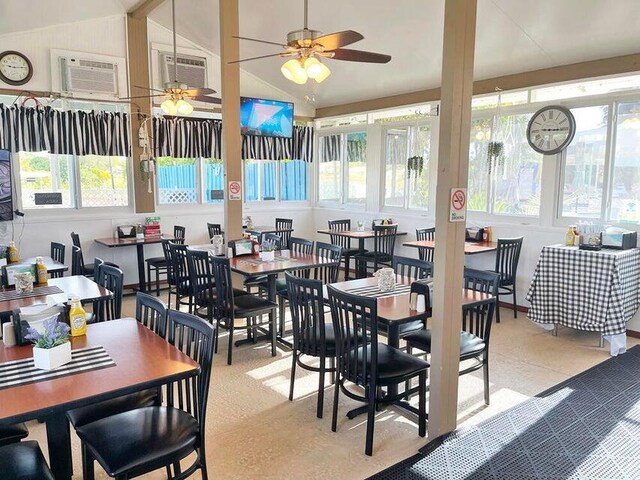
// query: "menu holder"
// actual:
[[9, 273], [241, 247]]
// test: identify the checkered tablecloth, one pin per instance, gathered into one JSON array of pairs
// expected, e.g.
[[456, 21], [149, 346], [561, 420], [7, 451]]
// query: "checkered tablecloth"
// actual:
[[587, 290]]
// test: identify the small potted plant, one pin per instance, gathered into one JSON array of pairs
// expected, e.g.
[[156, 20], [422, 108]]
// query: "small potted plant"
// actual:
[[51, 346], [268, 252]]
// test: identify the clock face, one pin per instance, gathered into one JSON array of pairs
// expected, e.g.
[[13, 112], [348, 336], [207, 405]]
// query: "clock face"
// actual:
[[15, 68], [551, 129]]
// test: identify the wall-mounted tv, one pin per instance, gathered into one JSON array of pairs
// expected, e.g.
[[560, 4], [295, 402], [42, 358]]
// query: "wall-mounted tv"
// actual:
[[6, 202], [267, 118]]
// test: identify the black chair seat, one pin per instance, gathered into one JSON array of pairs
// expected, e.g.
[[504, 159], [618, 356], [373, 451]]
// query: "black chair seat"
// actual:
[[254, 280], [281, 285], [470, 345], [372, 256], [312, 342], [13, 433], [157, 261], [250, 305], [91, 413], [404, 328], [351, 252], [136, 439], [394, 365], [24, 461]]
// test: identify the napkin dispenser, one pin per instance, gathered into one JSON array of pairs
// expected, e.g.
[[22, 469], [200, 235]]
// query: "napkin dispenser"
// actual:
[[619, 238], [126, 231]]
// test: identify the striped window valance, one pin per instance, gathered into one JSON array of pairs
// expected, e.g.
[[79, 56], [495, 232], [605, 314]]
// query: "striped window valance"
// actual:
[[70, 132], [189, 138]]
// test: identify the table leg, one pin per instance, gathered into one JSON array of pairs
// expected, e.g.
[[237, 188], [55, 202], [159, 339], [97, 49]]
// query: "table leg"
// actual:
[[59, 444], [142, 284]]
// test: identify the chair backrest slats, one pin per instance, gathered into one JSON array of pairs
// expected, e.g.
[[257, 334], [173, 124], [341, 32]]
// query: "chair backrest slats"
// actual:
[[75, 239], [200, 277], [426, 234], [384, 239], [356, 329], [57, 254], [179, 234], [283, 230], [77, 261], [478, 316], [152, 313], [340, 226], [221, 270], [306, 304], [507, 258], [214, 229], [328, 273], [412, 268], [171, 279], [112, 279], [179, 262], [273, 239]]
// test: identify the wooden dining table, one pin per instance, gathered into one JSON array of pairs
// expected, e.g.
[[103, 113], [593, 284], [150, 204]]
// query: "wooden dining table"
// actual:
[[53, 266], [142, 360], [470, 248], [360, 235], [79, 285]]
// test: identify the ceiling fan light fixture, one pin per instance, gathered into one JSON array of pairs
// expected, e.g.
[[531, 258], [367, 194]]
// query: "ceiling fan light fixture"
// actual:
[[312, 67], [323, 72], [169, 107], [294, 71], [183, 107]]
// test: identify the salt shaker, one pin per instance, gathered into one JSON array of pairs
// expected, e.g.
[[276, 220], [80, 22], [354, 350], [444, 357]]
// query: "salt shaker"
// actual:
[[421, 305], [8, 334]]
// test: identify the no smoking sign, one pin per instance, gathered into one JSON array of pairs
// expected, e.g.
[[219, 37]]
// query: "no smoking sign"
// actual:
[[235, 190], [458, 205]]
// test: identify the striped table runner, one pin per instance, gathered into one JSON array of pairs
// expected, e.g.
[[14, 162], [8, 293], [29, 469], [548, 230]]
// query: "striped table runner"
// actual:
[[37, 291], [22, 372], [374, 292]]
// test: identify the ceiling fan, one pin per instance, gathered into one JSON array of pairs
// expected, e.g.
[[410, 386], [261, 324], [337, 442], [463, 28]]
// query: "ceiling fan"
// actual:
[[305, 46], [177, 94]]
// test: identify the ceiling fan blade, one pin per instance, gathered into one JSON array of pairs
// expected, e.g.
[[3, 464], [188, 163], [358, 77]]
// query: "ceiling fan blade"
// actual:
[[359, 56], [215, 101], [259, 41], [331, 41], [199, 91], [257, 58]]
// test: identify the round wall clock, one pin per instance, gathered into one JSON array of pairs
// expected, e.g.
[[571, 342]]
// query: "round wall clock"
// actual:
[[15, 68], [551, 129]]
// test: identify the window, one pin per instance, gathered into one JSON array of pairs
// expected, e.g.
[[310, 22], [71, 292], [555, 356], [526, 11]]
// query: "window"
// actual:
[[582, 89], [260, 180], [213, 180], [584, 164], [177, 180], [101, 181], [293, 180], [406, 176], [504, 171], [625, 184], [342, 169]]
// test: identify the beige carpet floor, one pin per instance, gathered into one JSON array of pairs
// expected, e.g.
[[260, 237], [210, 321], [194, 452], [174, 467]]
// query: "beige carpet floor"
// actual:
[[254, 432]]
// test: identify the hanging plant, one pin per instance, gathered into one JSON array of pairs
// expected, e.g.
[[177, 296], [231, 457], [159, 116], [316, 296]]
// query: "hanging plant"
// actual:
[[415, 164], [495, 152]]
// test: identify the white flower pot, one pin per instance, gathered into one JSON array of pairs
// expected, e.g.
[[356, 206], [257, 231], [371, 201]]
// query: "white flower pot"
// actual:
[[3, 262], [267, 256], [50, 358]]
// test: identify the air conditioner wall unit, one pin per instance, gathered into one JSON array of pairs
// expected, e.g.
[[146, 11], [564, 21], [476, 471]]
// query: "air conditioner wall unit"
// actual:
[[83, 76], [192, 70]]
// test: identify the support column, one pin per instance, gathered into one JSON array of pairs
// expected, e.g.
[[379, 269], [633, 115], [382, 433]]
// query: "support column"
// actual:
[[231, 140], [453, 164], [138, 46]]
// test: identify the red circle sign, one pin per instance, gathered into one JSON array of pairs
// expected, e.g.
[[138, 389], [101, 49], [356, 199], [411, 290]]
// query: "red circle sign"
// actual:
[[458, 199], [234, 187]]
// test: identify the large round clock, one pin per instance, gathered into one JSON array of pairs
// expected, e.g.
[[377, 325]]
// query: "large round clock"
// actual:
[[551, 129], [15, 68]]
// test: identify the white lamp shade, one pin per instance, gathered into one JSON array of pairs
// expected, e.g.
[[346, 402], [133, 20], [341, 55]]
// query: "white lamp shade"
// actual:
[[323, 73], [292, 70], [169, 107], [183, 107], [312, 67]]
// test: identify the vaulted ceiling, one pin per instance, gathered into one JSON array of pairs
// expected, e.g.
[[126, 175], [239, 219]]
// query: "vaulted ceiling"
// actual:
[[512, 36]]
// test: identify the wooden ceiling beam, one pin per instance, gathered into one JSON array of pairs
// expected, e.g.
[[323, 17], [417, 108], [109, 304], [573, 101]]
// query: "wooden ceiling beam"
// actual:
[[144, 8]]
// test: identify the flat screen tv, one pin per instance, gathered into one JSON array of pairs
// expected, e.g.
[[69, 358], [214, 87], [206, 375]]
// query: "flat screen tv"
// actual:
[[267, 118], [6, 202]]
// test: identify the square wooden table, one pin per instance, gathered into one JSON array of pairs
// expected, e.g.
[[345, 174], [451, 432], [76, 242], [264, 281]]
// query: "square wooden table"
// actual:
[[127, 242], [52, 265], [360, 235], [142, 360], [470, 248], [85, 288]]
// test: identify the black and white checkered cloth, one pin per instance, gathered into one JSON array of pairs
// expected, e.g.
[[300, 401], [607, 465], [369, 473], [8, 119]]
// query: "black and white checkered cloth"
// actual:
[[374, 292], [587, 290]]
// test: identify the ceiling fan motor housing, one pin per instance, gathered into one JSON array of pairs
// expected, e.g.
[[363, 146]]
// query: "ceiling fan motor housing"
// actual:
[[302, 38]]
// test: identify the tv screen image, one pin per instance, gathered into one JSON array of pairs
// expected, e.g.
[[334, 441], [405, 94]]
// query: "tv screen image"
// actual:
[[267, 118], [6, 203]]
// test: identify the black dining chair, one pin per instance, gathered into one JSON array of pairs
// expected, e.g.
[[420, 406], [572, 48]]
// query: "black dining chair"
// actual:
[[24, 461], [426, 234], [180, 275], [412, 268], [214, 229], [159, 264], [384, 242], [152, 313], [57, 254], [507, 258], [343, 242], [297, 245], [133, 443], [87, 268], [251, 281], [12, 433], [284, 229], [112, 279], [365, 362], [230, 307], [312, 335], [78, 267], [477, 318]]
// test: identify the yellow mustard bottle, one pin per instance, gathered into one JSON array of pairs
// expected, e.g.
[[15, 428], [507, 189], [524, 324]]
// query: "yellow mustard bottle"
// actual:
[[41, 271], [13, 256], [77, 317]]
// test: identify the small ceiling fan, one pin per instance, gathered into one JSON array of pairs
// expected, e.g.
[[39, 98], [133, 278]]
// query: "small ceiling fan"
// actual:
[[177, 94], [305, 46]]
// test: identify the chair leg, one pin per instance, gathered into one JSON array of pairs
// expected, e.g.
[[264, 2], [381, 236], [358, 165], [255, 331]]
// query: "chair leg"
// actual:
[[292, 380], [148, 277], [407, 383], [281, 312], [485, 370], [332, 366], [273, 332], [336, 393], [371, 418], [515, 306], [87, 463], [215, 342], [347, 261], [230, 352], [320, 405], [176, 468], [157, 282], [498, 309], [422, 404]]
